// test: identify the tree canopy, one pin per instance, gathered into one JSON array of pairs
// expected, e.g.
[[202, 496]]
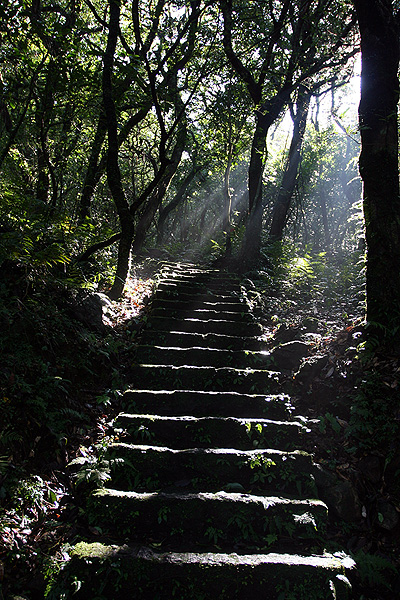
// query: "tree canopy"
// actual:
[[127, 124]]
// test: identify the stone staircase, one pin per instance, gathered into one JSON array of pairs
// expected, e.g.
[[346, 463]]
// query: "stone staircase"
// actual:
[[210, 495]]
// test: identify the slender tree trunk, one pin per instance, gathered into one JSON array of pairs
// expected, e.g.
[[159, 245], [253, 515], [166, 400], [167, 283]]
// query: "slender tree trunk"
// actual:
[[158, 194], [92, 172], [379, 167], [252, 241], [176, 200], [227, 206], [325, 221], [113, 171], [289, 178], [43, 115], [98, 164]]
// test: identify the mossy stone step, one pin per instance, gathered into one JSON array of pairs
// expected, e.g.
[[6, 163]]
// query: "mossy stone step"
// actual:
[[264, 471], [203, 357], [203, 314], [200, 279], [178, 288], [235, 305], [169, 377], [199, 340], [211, 432], [201, 520], [194, 325], [202, 404], [186, 295], [195, 270], [140, 573]]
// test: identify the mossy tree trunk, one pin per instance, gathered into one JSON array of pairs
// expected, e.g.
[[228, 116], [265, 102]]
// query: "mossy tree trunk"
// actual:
[[379, 167]]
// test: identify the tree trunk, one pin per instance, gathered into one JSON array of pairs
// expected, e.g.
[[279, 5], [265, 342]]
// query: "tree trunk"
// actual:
[[91, 177], [289, 178], [226, 222], [176, 200], [379, 167], [98, 164], [325, 222], [252, 241], [113, 171], [159, 193]]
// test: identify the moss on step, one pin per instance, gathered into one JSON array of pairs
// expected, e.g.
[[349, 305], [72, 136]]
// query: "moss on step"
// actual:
[[198, 325], [201, 403], [260, 471], [202, 356], [195, 521], [203, 314], [213, 432], [202, 340], [167, 377], [138, 572]]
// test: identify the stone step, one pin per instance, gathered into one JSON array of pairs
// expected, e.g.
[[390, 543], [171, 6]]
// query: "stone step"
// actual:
[[201, 340], [217, 288], [202, 278], [139, 572], [202, 314], [172, 293], [203, 520], [192, 269], [203, 404], [211, 432], [203, 357], [213, 379], [235, 305], [263, 471], [224, 327]]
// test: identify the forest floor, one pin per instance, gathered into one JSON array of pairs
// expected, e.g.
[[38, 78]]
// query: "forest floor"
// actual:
[[40, 512]]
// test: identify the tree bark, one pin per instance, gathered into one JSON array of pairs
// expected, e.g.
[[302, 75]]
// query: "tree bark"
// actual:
[[227, 216], [113, 170], [158, 194], [92, 172], [379, 167], [289, 178], [176, 200]]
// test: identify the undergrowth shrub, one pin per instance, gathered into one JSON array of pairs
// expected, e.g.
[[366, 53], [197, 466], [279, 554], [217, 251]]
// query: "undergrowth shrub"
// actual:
[[375, 422], [292, 278], [45, 357]]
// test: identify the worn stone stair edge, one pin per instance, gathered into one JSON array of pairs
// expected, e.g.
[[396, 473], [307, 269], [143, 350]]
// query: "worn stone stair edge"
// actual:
[[233, 328], [244, 372], [206, 357], [284, 398], [221, 496], [210, 340], [187, 431], [181, 306], [192, 419], [150, 575], [187, 518], [206, 403], [202, 314], [338, 561], [217, 451]]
